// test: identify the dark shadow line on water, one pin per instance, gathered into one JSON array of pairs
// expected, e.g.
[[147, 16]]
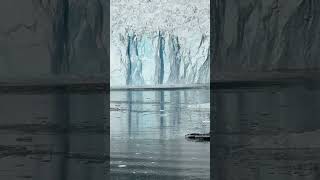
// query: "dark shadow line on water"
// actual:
[[88, 88], [312, 83]]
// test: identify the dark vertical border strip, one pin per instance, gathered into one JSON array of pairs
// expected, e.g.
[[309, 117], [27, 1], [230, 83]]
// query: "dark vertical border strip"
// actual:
[[216, 15], [212, 3], [107, 104]]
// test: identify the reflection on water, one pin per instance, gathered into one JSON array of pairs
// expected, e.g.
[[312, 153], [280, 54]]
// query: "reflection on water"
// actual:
[[53, 136], [267, 133], [147, 134]]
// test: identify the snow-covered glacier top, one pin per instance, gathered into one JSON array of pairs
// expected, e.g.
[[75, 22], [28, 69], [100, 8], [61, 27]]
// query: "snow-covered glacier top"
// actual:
[[176, 16], [159, 41]]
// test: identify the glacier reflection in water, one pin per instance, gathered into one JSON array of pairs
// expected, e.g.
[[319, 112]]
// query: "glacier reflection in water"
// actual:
[[147, 134], [53, 135]]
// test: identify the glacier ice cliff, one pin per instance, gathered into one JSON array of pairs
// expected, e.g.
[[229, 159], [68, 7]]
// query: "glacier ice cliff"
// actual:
[[153, 46], [161, 58], [265, 35], [48, 38], [152, 42]]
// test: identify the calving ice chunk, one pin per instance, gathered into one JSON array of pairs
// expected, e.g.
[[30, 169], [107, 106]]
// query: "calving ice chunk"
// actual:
[[159, 42]]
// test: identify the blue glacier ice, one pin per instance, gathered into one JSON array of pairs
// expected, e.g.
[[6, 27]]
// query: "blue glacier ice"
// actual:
[[159, 47]]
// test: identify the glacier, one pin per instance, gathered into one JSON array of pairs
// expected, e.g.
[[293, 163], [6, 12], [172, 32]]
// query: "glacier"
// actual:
[[159, 42]]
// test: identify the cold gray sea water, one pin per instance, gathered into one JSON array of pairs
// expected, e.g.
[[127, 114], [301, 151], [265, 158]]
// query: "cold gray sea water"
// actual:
[[148, 129]]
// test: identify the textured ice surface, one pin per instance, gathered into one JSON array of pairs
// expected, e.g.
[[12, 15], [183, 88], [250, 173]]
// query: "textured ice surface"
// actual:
[[159, 42]]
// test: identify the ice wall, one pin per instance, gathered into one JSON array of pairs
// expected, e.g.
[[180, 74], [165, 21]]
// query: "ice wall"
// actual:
[[45, 38], [159, 42], [266, 35]]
